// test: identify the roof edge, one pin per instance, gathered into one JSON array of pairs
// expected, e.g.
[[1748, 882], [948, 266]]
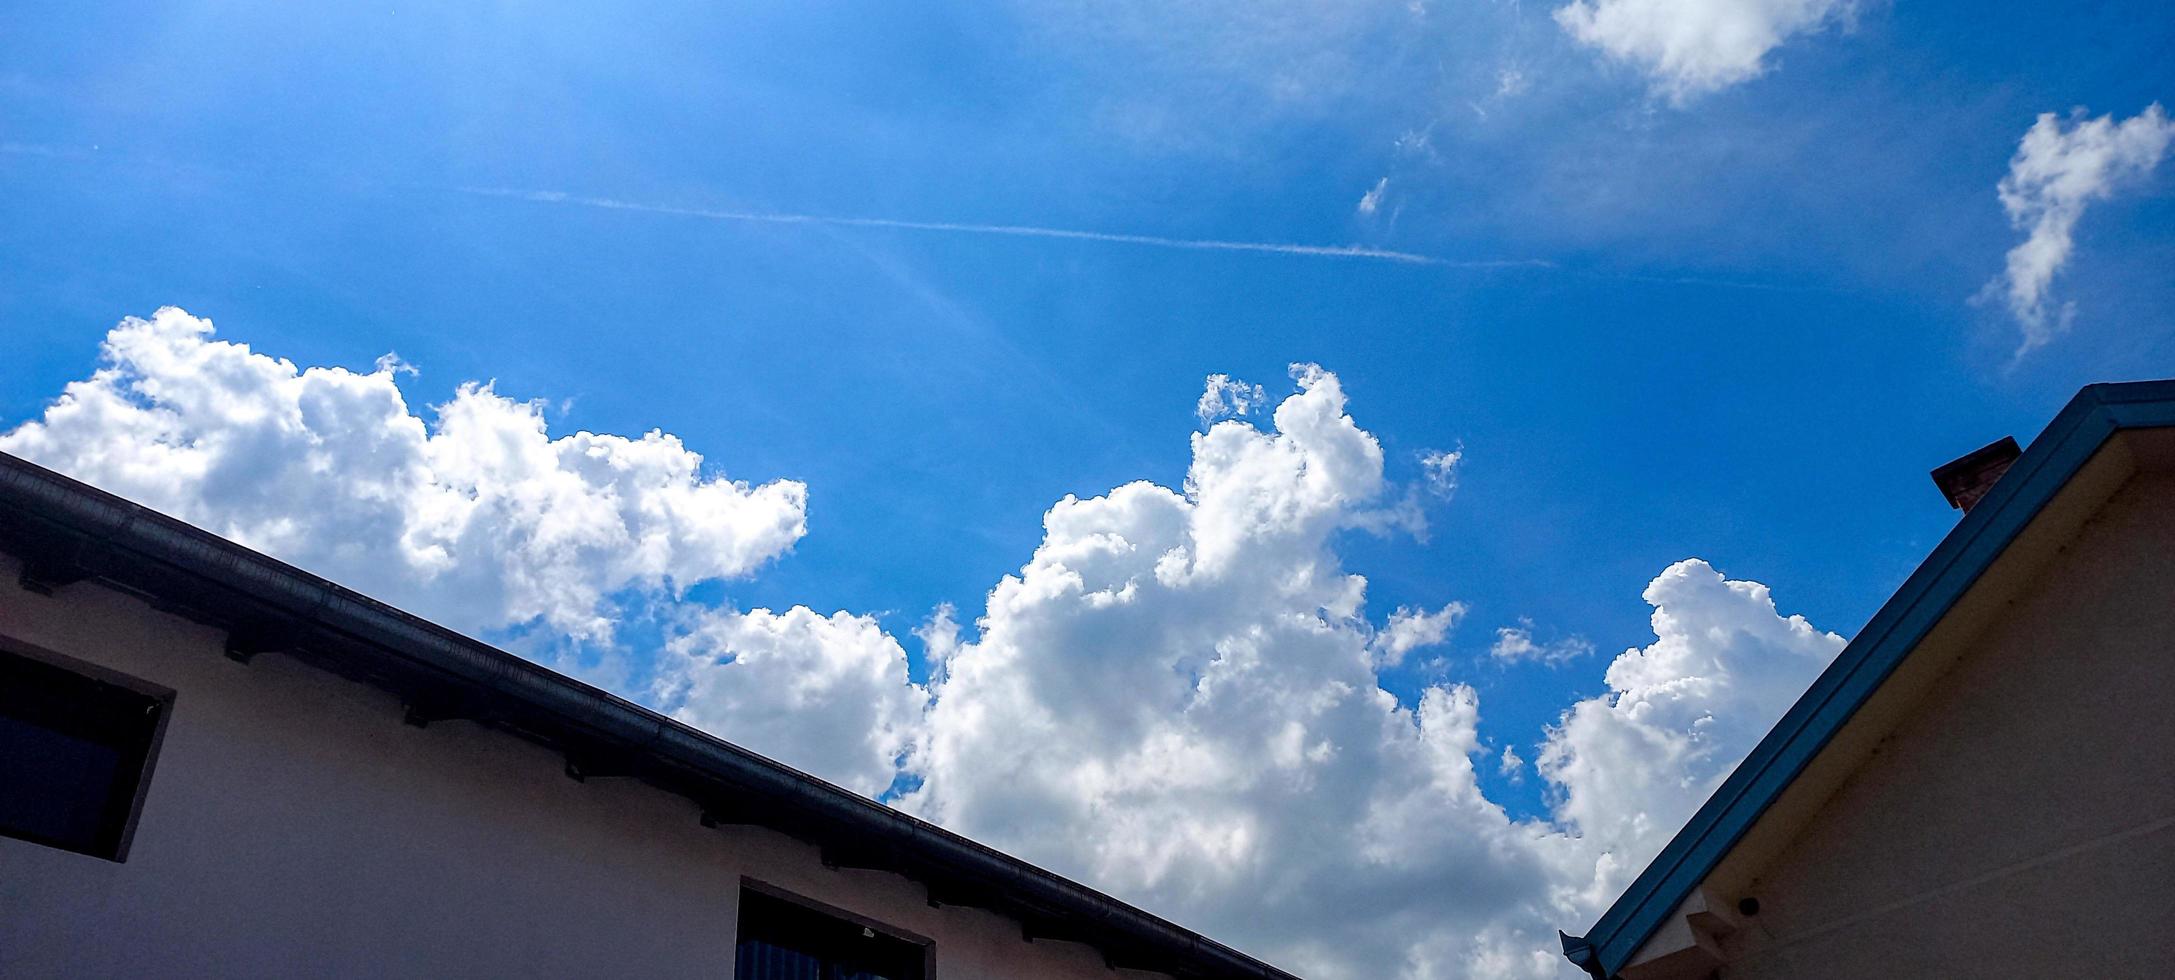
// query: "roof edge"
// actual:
[[65, 530], [2090, 418]]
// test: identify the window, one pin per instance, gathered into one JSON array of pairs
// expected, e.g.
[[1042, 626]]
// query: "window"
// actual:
[[780, 940], [75, 754]]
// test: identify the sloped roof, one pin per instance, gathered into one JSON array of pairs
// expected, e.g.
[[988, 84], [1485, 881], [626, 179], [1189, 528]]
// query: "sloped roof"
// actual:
[[66, 531], [2094, 416]]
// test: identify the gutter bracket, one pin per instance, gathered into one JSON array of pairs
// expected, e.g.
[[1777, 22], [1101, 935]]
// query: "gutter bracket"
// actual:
[[728, 814], [855, 859], [244, 642], [941, 895], [580, 767], [421, 713], [1034, 928], [44, 577]]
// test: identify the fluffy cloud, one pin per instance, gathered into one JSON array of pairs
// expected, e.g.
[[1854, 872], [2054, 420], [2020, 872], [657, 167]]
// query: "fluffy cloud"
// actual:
[[1516, 643], [2058, 170], [1412, 629], [479, 520], [1692, 47], [1681, 711], [1177, 697], [1223, 397], [826, 693]]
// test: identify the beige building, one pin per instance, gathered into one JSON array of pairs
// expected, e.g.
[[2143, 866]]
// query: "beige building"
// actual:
[[215, 765], [1983, 783]]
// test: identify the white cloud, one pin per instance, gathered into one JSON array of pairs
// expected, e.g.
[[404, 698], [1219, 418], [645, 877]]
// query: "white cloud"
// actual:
[[1413, 629], [479, 520], [1372, 200], [1511, 765], [1440, 468], [828, 694], [1176, 698], [1417, 142], [2058, 170], [1511, 81], [939, 636], [1692, 47], [1225, 398], [1680, 712], [1516, 643]]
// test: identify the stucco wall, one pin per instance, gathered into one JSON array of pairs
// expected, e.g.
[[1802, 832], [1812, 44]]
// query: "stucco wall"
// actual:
[[294, 827], [2021, 821]]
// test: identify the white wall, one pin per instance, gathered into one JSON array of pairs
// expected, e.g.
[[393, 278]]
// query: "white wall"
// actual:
[[2020, 822], [295, 827]]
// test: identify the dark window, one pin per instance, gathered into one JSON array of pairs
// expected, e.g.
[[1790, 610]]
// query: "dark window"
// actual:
[[780, 940], [75, 751]]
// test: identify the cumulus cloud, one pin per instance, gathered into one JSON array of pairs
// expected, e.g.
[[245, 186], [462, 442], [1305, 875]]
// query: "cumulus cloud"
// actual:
[[1515, 643], [1226, 398], [828, 694], [1681, 711], [1693, 47], [1413, 629], [2058, 170], [1177, 697], [479, 518]]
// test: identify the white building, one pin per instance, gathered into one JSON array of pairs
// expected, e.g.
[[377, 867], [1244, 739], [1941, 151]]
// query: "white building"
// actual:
[[213, 764], [1983, 783]]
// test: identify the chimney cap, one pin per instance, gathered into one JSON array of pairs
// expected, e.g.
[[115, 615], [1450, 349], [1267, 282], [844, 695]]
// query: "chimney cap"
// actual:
[[1967, 478]]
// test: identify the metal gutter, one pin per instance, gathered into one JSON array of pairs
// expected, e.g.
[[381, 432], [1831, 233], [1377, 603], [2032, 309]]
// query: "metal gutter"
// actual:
[[66, 531], [2087, 422]]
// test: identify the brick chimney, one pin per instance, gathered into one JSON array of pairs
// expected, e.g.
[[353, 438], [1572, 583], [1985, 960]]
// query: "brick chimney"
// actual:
[[1967, 478]]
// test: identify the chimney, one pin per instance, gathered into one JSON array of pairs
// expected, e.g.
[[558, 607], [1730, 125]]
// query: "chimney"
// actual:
[[1967, 478]]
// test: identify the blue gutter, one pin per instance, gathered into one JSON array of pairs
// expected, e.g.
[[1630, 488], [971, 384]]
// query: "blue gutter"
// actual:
[[2085, 424]]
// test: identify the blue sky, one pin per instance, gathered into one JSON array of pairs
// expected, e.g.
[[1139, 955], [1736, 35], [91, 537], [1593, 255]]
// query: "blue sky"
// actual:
[[1738, 324]]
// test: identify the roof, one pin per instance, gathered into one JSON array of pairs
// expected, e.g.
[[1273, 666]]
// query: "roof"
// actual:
[[66, 531], [2094, 416]]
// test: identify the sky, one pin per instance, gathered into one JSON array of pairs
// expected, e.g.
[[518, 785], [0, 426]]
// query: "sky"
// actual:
[[1348, 476]]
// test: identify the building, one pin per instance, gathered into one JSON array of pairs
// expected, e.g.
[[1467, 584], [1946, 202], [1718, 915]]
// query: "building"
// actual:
[[214, 764], [1983, 783]]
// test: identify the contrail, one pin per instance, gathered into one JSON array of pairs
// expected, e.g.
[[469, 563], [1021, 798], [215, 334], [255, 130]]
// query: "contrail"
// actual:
[[1020, 231]]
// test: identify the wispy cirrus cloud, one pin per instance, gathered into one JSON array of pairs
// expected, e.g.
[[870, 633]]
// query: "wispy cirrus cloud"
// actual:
[[1371, 201], [2057, 171], [1365, 252]]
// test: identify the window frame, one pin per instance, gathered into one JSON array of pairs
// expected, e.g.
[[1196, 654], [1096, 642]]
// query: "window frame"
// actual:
[[162, 697], [775, 893]]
